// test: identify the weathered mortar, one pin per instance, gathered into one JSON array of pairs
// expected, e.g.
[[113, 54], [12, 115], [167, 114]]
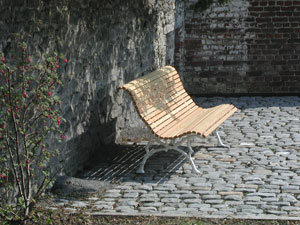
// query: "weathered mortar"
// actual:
[[107, 43]]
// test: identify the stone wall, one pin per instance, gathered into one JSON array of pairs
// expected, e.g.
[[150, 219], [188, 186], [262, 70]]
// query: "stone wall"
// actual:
[[107, 43], [245, 47]]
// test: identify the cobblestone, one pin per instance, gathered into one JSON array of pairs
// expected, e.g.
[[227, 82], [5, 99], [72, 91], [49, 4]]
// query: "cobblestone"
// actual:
[[131, 195], [127, 202], [147, 209], [258, 175], [125, 209]]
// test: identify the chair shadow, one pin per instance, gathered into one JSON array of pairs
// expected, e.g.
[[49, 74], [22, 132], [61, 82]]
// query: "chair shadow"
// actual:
[[121, 162]]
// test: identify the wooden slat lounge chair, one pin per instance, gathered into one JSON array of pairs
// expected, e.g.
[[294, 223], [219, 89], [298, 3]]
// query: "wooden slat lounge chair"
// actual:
[[171, 114]]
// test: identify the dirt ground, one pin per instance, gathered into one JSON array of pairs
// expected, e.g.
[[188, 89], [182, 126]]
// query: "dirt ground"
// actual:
[[60, 217]]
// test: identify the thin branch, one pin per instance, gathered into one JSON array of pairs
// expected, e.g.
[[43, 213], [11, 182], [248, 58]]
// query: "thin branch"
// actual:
[[17, 141], [14, 168], [42, 186]]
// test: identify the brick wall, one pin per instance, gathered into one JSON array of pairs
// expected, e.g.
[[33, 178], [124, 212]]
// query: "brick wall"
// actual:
[[248, 46]]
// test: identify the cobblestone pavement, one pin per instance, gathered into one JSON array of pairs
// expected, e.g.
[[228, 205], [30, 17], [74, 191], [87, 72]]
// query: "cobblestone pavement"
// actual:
[[258, 176]]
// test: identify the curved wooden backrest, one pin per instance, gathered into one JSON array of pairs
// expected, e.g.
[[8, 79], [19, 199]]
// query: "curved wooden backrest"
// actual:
[[160, 97], [164, 105]]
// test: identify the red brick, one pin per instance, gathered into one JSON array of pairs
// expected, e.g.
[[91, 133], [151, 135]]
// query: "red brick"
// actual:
[[293, 19], [294, 36], [294, 89], [288, 9], [278, 62], [285, 30], [267, 14], [285, 73], [287, 35], [189, 25], [219, 30], [254, 30], [280, 19], [255, 9], [286, 51], [278, 36], [270, 57], [230, 63], [256, 46], [296, 14], [262, 25], [272, 9], [294, 62], [279, 25], [274, 46], [276, 78], [263, 3], [283, 14], [280, 3], [263, 20], [267, 30], [193, 43], [286, 57], [271, 2], [262, 41], [294, 24], [249, 19], [261, 36], [215, 63], [269, 52]]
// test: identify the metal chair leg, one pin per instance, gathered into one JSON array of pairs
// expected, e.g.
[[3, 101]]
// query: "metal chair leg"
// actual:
[[166, 147], [142, 165], [191, 151], [220, 143]]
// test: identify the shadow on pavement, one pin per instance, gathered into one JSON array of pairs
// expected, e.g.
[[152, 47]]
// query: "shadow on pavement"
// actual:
[[121, 162]]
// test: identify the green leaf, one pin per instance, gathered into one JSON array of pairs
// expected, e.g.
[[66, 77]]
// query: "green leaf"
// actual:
[[46, 173], [21, 202]]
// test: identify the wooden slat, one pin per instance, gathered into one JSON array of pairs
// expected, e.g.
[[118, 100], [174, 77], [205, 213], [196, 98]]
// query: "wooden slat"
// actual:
[[159, 113], [145, 84], [158, 96], [153, 75], [168, 84], [195, 119], [143, 81], [190, 123], [154, 97], [174, 129], [168, 102], [150, 110], [183, 113], [219, 122], [173, 114], [211, 118]]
